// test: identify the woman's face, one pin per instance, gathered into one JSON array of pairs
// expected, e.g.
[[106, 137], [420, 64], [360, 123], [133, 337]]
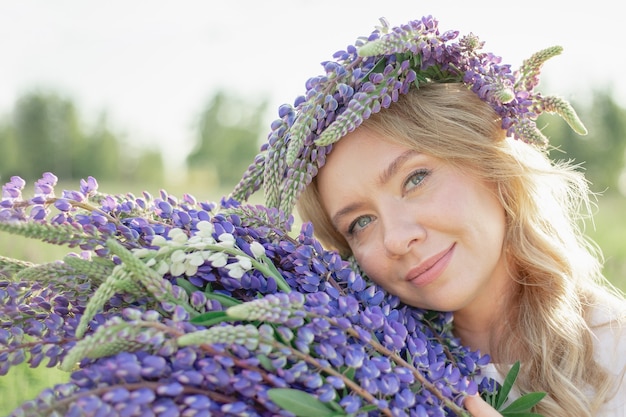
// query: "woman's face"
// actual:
[[418, 227]]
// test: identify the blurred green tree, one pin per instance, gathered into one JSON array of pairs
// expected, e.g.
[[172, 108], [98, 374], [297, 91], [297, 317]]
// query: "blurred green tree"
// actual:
[[149, 168], [8, 148], [46, 133], [100, 153], [229, 130]]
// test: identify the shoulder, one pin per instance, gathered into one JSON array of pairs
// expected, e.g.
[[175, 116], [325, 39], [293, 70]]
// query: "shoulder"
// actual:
[[609, 331], [608, 325]]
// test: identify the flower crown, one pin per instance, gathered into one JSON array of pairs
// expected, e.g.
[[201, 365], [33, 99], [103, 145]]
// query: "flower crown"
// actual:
[[369, 76]]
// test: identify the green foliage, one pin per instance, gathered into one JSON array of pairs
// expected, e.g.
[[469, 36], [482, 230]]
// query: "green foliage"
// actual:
[[302, 404], [46, 133], [518, 408], [608, 231], [24, 383], [227, 141], [149, 168]]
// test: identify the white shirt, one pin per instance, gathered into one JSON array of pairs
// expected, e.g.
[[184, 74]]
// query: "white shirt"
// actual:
[[609, 352]]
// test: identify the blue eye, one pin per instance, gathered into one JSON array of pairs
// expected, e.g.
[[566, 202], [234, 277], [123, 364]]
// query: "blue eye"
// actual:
[[415, 179], [359, 223]]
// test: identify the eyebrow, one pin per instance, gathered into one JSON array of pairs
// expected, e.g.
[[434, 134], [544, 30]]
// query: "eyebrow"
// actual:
[[393, 167], [384, 177], [344, 211]]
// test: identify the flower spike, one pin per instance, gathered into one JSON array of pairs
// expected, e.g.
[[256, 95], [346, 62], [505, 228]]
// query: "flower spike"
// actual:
[[529, 71], [561, 107]]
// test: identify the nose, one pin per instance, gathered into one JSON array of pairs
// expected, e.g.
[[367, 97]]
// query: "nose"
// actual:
[[402, 230]]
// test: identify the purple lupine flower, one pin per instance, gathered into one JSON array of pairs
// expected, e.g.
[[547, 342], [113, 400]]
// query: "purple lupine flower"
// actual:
[[89, 186], [12, 191], [44, 187], [63, 204]]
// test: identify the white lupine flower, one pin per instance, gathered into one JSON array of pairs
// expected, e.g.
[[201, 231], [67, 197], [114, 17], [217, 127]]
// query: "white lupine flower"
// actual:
[[162, 268], [190, 269], [164, 250], [151, 262], [177, 268], [257, 249], [159, 240], [172, 233], [205, 228], [235, 270], [195, 258], [200, 242], [244, 262], [194, 240], [178, 256], [179, 236], [218, 259], [226, 240]]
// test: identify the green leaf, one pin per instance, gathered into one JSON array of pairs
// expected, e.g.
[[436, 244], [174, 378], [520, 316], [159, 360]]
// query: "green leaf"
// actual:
[[224, 300], [504, 391], [186, 285], [350, 373], [368, 408], [300, 403], [265, 362], [524, 403], [268, 262], [210, 318], [518, 408]]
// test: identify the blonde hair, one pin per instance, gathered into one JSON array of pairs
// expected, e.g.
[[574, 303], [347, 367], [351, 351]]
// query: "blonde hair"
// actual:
[[557, 270]]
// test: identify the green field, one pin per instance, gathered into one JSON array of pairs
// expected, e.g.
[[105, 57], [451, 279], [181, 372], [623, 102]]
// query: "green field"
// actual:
[[23, 383], [610, 234]]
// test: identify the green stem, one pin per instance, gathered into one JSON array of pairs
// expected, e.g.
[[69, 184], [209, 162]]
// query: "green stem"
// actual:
[[331, 371], [148, 277]]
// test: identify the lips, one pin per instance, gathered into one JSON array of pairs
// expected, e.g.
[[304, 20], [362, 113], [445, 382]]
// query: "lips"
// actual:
[[431, 268]]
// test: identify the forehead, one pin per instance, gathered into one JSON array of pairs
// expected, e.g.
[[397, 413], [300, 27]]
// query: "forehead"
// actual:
[[357, 163], [364, 143]]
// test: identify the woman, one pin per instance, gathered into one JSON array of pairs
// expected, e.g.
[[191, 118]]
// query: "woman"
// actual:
[[439, 208], [429, 189]]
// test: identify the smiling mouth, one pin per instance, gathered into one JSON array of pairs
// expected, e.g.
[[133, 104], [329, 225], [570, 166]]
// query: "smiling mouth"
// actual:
[[431, 268]]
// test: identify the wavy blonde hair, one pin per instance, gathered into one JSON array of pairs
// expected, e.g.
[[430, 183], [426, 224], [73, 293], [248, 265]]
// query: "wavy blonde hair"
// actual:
[[557, 270]]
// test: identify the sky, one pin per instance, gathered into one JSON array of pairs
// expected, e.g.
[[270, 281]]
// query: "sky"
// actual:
[[153, 65]]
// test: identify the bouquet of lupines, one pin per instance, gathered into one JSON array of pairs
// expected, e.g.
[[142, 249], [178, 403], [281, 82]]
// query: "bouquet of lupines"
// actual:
[[174, 307]]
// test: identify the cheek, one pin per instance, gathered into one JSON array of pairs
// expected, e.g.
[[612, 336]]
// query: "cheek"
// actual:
[[372, 264]]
